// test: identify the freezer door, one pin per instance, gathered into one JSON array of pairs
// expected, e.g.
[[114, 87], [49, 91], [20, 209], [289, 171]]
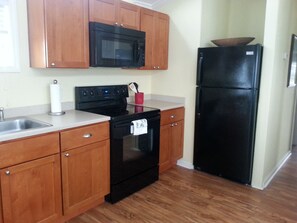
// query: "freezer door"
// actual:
[[229, 67], [224, 132]]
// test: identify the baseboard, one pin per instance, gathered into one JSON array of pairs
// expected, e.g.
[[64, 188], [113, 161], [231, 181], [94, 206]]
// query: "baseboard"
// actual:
[[185, 164], [275, 170]]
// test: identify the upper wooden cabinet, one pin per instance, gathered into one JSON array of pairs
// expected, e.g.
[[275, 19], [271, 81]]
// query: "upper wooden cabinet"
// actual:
[[58, 33], [156, 26], [115, 12]]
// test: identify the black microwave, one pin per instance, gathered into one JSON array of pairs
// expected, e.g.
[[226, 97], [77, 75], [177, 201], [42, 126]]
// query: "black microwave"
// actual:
[[113, 46]]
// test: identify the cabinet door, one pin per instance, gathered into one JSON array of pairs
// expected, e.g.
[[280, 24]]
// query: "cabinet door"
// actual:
[[104, 11], [160, 50], [165, 149], [85, 175], [177, 139], [67, 33], [31, 192], [128, 15], [147, 26]]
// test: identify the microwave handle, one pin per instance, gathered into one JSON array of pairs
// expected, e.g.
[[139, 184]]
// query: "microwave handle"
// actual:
[[140, 55]]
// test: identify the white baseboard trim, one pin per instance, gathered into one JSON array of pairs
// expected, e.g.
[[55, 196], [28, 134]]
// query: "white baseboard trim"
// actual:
[[276, 169], [185, 164]]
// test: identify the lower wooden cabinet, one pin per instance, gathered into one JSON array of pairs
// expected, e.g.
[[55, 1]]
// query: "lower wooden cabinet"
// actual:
[[31, 192], [85, 175], [171, 138]]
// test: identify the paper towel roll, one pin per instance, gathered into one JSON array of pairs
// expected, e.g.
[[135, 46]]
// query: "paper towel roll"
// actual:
[[55, 98]]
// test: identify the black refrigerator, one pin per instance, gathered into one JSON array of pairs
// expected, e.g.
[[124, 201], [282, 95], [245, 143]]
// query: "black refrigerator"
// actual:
[[227, 92]]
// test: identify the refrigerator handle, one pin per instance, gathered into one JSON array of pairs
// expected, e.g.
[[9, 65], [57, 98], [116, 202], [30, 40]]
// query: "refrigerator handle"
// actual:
[[198, 102], [199, 73]]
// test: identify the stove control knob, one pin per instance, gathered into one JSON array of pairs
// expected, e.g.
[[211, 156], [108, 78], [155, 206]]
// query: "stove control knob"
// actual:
[[92, 93], [84, 93]]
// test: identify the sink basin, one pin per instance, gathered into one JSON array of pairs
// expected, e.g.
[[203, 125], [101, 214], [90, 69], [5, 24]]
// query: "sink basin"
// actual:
[[20, 124]]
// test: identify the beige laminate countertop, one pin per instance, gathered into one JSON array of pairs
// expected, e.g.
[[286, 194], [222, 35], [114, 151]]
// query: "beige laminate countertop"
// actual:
[[71, 119], [162, 105]]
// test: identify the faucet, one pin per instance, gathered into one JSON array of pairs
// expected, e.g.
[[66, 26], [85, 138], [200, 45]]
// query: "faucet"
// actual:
[[1, 114]]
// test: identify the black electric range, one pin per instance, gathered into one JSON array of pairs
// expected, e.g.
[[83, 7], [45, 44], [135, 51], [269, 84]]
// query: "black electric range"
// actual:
[[134, 159]]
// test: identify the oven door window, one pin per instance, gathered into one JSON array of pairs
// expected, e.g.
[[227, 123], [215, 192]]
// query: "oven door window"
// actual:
[[137, 147]]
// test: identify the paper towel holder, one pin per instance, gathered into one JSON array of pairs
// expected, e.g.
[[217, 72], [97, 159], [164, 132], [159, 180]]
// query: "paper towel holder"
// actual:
[[57, 113]]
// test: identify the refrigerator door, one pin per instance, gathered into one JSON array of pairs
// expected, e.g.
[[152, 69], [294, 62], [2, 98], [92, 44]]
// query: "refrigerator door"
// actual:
[[229, 67], [224, 132]]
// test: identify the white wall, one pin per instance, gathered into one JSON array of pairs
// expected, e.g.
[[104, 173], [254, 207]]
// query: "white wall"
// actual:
[[180, 78], [31, 86]]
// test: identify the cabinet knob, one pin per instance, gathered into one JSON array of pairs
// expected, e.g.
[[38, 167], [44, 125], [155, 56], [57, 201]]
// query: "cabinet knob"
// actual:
[[67, 154], [87, 135], [154, 67], [158, 67], [172, 125], [175, 124], [122, 25], [116, 24], [7, 172], [172, 116], [53, 64]]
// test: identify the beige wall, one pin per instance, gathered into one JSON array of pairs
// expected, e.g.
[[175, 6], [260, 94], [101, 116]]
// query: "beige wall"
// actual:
[[180, 78], [31, 86], [232, 18], [277, 102]]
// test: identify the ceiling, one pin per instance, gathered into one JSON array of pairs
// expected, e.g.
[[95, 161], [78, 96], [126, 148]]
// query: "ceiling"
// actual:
[[149, 3]]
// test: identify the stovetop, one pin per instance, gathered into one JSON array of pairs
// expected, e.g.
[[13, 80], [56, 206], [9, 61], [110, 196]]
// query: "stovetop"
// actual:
[[110, 101]]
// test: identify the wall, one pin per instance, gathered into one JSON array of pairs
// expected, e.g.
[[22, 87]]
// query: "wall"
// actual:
[[232, 18], [31, 86], [277, 102], [180, 78]]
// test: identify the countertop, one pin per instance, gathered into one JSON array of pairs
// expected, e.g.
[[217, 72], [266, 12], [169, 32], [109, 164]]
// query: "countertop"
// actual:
[[162, 105], [71, 119]]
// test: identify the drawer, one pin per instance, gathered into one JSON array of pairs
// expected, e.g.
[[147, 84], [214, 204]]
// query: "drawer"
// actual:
[[85, 135], [26, 149], [172, 115]]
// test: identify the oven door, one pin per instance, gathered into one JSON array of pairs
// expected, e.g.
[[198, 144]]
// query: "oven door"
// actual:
[[133, 154]]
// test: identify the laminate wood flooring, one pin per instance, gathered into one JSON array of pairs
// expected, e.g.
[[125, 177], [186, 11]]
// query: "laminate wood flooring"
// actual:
[[182, 196]]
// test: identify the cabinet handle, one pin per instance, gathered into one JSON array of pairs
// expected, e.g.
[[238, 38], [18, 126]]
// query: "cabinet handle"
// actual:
[[53, 64], [7, 172], [172, 116], [67, 154], [87, 135]]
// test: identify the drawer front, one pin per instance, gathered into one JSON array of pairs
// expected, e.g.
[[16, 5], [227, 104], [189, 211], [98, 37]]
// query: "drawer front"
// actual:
[[172, 115], [85, 135], [23, 150]]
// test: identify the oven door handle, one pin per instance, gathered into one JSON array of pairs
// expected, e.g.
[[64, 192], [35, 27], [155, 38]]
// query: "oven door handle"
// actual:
[[128, 124]]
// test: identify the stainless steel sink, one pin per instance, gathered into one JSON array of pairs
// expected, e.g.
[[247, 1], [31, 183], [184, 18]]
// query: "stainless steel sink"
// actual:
[[20, 124]]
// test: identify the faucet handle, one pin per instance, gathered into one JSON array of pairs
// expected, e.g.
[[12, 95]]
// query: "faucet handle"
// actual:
[[1, 109]]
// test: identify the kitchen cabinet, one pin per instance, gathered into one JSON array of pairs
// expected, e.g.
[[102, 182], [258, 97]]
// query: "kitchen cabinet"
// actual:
[[85, 167], [171, 137], [58, 33], [30, 179], [115, 12], [156, 26]]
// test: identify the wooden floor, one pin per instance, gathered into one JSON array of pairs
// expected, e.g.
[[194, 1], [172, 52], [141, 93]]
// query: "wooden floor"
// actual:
[[183, 195]]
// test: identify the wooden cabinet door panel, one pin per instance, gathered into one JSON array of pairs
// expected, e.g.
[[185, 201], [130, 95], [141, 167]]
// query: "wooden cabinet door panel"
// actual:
[[85, 174], [104, 11], [147, 26], [160, 58], [31, 192], [177, 139], [128, 15], [67, 33], [165, 150]]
